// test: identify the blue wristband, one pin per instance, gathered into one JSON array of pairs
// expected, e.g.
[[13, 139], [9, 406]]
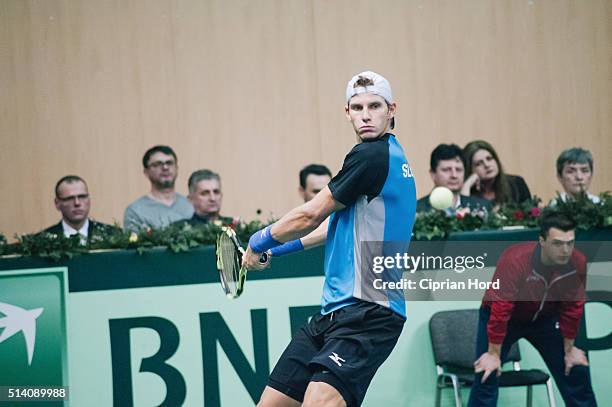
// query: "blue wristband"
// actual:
[[286, 248], [262, 240]]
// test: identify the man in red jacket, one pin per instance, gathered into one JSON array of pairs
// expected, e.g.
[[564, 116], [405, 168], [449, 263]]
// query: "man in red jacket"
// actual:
[[541, 299]]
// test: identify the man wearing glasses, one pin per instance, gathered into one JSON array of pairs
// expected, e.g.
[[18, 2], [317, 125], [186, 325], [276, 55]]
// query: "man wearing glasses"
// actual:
[[162, 205], [73, 201]]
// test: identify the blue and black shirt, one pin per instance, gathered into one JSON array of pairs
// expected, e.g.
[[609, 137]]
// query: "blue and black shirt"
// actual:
[[377, 187]]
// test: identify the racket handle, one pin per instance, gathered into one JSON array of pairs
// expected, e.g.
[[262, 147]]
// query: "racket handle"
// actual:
[[263, 259]]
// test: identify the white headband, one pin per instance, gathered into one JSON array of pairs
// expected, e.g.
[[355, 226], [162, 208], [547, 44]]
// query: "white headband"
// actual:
[[381, 86]]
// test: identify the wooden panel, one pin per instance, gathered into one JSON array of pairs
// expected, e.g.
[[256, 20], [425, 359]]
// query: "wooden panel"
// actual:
[[255, 90]]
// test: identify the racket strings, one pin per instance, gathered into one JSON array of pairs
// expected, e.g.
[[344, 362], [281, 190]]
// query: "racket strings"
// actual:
[[230, 264]]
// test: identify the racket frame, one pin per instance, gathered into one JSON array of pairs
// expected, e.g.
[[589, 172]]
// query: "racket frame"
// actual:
[[231, 233]]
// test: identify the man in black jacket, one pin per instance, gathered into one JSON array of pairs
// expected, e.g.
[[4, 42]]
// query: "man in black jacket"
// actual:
[[447, 169], [73, 201]]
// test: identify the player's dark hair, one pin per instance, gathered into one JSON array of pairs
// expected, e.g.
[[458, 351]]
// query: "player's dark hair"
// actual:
[[316, 169], [445, 152], [68, 179], [362, 82], [554, 219], [157, 149]]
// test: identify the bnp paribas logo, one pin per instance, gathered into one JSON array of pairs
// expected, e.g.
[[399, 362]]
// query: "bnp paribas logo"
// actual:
[[33, 342], [20, 320]]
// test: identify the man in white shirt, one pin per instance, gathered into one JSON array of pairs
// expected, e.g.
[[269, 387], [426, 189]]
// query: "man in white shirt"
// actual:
[[72, 200], [575, 173]]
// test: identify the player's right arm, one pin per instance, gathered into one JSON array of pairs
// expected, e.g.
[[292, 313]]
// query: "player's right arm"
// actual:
[[302, 221], [305, 219], [363, 172]]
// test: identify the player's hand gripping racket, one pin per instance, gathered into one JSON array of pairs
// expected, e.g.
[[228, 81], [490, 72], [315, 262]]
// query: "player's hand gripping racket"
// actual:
[[229, 263]]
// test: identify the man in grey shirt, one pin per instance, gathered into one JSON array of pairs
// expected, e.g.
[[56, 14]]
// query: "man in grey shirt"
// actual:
[[163, 205]]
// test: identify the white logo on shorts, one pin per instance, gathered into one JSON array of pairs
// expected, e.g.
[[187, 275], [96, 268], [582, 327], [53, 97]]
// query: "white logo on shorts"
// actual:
[[337, 359]]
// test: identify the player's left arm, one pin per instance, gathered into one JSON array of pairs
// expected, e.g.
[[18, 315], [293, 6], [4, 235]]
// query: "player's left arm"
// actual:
[[313, 239], [304, 221], [317, 237]]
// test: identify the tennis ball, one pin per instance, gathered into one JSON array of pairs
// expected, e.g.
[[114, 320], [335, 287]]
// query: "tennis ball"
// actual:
[[441, 198]]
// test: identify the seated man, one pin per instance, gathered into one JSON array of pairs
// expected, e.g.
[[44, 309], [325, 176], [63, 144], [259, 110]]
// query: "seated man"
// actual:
[[73, 201], [163, 205], [541, 298], [447, 169], [205, 195], [313, 178], [575, 173]]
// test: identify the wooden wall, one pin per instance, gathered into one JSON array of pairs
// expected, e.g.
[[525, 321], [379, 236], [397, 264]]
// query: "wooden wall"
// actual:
[[255, 90]]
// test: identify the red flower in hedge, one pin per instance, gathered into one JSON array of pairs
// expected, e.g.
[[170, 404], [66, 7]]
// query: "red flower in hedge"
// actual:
[[518, 215], [535, 212], [461, 213]]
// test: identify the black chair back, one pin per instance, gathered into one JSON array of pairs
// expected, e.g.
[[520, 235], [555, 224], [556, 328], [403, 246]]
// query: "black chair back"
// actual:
[[453, 338]]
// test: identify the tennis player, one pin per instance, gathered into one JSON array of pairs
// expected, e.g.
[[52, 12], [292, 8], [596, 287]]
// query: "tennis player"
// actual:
[[332, 359]]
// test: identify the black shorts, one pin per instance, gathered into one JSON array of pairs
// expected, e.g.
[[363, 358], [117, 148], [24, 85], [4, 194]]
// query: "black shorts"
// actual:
[[344, 349]]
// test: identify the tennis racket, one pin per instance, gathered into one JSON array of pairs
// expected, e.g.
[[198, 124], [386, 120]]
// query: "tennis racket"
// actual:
[[229, 263]]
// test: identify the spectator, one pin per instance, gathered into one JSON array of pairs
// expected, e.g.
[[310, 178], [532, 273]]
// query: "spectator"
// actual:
[[575, 173], [540, 297], [73, 201], [447, 169], [206, 196], [162, 205], [313, 178], [486, 178]]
